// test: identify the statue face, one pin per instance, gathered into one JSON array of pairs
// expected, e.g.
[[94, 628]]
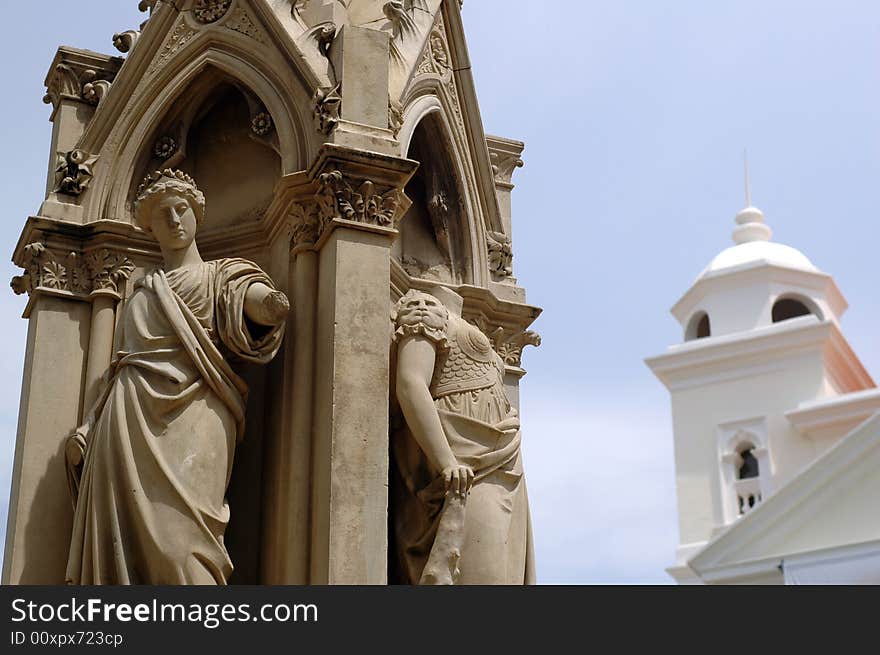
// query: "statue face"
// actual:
[[173, 221], [423, 309]]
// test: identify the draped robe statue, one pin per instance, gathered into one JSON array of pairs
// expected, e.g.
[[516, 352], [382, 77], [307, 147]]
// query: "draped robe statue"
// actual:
[[461, 513], [150, 466]]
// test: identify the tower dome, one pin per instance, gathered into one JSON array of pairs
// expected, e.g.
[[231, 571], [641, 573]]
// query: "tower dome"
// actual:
[[752, 238], [755, 283]]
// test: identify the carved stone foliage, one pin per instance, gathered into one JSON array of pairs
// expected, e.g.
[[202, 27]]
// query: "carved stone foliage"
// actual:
[[398, 12], [437, 61], [73, 172], [69, 82], [395, 116], [503, 165], [242, 23], [179, 37], [328, 108], [511, 349], [304, 223], [125, 41], [436, 58], [210, 11], [101, 270], [343, 198], [108, 270], [500, 254], [509, 344]]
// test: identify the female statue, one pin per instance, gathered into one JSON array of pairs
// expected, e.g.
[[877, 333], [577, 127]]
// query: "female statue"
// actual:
[[150, 466], [461, 513]]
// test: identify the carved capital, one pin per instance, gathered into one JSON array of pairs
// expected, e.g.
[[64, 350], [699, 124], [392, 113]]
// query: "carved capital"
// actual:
[[304, 224], [71, 274], [80, 76], [346, 186], [509, 344], [361, 201], [500, 254], [505, 155], [108, 270]]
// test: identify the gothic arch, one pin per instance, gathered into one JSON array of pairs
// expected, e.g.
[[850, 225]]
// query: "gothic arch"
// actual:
[[145, 112], [427, 112]]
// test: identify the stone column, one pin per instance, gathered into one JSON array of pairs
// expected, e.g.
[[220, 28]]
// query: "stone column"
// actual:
[[286, 550], [40, 508], [109, 272], [359, 198]]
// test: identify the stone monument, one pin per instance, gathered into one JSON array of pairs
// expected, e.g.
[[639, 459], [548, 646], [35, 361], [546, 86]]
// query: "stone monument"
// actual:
[[331, 152]]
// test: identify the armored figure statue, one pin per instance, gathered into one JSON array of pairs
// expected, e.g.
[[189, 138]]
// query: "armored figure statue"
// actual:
[[461, 512], [150, 466]]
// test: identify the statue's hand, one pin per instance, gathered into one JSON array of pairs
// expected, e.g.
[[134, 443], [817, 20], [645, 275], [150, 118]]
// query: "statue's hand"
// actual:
[[277, 307], [458, 478], [75, 448]]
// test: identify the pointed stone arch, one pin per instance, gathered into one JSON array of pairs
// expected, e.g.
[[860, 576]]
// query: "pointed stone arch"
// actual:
[[444, 170], [144, 115]]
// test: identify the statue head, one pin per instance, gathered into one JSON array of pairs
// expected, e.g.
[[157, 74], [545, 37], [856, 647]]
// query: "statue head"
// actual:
[[170, 205], [420, 308]]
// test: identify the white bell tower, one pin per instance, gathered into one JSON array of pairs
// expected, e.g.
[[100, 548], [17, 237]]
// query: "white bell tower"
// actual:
[[761, 341]]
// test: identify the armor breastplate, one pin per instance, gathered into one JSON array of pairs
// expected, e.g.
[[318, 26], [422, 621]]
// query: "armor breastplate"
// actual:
[[469, 364]]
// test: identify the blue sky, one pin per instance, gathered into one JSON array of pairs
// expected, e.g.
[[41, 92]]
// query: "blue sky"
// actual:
[[635, 115]]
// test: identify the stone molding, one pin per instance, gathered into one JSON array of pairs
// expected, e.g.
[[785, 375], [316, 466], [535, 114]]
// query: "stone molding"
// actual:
[[80, 76], [70, 273]]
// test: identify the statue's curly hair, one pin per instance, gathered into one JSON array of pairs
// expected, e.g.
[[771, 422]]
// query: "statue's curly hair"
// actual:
[[160, 182]]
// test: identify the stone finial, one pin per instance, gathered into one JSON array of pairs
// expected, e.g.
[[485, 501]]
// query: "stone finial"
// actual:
[[751, 226]]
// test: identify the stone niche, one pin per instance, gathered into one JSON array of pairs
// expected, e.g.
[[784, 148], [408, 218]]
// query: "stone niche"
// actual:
[[219, 132], [434, 243]]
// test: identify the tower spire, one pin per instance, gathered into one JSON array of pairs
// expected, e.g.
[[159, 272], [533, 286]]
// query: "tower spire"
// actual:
[[748, 187]]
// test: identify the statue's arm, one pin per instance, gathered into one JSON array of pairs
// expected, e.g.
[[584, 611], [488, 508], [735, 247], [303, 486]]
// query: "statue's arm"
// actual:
[[416, 357], [265, 306]]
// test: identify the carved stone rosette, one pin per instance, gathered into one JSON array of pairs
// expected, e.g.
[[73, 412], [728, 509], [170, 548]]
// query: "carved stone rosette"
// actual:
[[101, 271], [261, 123], [500, 254], [210, 11]]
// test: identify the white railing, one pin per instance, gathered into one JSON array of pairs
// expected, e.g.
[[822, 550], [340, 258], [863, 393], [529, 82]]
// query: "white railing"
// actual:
[[748, 494]]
